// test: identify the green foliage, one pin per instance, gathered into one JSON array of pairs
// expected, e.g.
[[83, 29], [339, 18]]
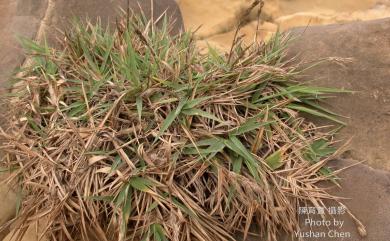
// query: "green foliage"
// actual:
[[184, 145]]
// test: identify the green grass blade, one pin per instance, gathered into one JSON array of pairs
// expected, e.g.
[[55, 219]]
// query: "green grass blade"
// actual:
[[140, 183], [171, 117], [315, 113], [198, 112], [250, 125], [158, 232], [236, 146], [274, 161]]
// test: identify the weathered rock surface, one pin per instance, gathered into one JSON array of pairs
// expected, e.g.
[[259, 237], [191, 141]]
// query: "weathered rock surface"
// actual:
[[367, 193], [7, 204], [368, 109], [17, 19], [368, 197], [64, 11]]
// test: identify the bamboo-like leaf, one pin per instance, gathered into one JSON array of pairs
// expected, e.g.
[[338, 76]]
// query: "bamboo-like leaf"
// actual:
[[250, 125], [195, 102], [140, 183], [213, 148], [315, 113], [106, 199], [237, 164], [318, 149], [206, 142], [158, 232], [171, 117], [319, 107], [183, 208], [236, 146], [120, 198], [275, 160], [126, 211], [201, 113]]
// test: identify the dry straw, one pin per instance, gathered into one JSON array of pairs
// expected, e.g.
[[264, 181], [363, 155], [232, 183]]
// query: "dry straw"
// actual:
[[134, 135]]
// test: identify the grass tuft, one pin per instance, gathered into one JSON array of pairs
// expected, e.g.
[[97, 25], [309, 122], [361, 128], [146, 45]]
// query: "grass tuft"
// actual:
[[135, 135]]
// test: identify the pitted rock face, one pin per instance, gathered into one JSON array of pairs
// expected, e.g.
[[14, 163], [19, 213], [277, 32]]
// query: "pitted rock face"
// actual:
[[367, 47], [19, 18], [367, 189], [366, 193], [108, 11]]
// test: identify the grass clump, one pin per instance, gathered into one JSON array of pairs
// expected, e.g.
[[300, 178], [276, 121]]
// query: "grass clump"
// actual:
[[134, 135]]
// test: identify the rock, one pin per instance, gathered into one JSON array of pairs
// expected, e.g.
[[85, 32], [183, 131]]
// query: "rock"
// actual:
[[17, 18], [368, 109], [63, 11], [31, 233], [7, 204], [367, 195], [215, 17]]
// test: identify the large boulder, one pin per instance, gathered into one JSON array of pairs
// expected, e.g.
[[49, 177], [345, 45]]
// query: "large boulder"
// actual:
[[367, 196], [63, 11], [365, 192], [361, 60], [366, 45], [20, 18]]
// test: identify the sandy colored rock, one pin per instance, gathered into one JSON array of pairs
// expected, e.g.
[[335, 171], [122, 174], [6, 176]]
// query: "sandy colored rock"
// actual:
[[212, 18], [224, 41], [31, 233], [7, 204], [218, 18], [368, 109]]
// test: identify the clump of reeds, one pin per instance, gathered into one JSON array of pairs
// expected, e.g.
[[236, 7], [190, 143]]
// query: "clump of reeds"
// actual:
[[134, 135]]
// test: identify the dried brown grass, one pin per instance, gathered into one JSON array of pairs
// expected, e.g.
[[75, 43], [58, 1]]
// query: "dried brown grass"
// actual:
[[136, 136]]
